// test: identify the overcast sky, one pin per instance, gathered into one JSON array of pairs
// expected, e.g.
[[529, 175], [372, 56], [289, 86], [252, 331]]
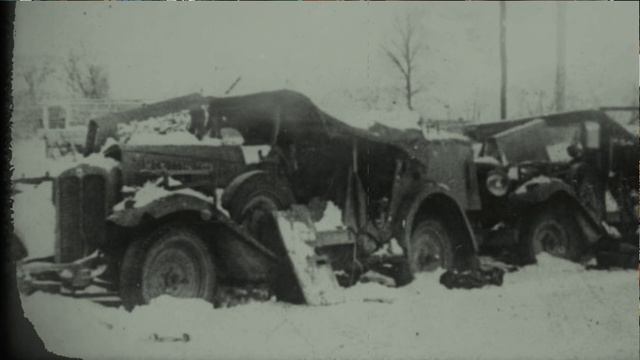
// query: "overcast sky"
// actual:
[[161, 50]]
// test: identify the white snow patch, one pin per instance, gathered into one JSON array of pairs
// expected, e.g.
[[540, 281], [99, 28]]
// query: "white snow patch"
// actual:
[[33, 210], [390, 248], [610, 202], [401, 119], [432, 134], [541, 179], [512, 173], [251, 153], [476, 147], [177, 122], [498, 226], [34, 219], [567, 312], [108, 144], [170, 181], [558, 152], [331, 218], [98, 160], [395, 248], [218, 199], [29, 160], [231, 136], [487, 160], [169, 129], [152, 191], [611, 230]]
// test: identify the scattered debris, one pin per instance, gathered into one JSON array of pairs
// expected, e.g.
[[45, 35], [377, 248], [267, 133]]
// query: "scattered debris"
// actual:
[[473, 278], [184, 338]]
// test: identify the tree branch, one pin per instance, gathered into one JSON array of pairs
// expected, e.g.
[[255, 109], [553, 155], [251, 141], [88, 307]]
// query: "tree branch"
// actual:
[[396, 61]]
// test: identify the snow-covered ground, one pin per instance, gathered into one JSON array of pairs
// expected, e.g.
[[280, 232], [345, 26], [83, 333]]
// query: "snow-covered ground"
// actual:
[[554, 310]]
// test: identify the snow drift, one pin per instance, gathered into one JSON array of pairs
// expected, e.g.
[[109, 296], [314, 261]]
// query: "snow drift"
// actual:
[[554, 310]]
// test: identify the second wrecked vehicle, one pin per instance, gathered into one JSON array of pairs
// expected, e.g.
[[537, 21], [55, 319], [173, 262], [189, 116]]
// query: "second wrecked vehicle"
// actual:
[[178, 197], [559, 183]]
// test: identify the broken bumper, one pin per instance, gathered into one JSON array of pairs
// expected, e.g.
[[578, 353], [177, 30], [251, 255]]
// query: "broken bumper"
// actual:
[[40, 274]]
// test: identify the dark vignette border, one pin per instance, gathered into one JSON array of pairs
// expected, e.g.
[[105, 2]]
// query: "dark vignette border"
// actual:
[[19, 338]]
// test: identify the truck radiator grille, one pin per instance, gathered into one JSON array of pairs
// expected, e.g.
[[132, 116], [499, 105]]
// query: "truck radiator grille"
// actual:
[[80, 212], [94, 213]]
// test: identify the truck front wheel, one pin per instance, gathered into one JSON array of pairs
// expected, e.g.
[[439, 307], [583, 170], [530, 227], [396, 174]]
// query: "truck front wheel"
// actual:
[[430, 247], [553, 232], [173, 261]]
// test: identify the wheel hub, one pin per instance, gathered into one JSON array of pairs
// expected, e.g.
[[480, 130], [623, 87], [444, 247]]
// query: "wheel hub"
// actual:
[[550, 238], [172, 272], [427, 252], [173, 278]]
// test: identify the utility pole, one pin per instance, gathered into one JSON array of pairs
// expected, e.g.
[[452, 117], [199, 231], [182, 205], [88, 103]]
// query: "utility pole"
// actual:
[[503, 61], [561, 32]]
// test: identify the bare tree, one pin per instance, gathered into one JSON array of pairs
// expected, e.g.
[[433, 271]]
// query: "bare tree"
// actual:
[[86, 79], [403, 52], [34, 76]]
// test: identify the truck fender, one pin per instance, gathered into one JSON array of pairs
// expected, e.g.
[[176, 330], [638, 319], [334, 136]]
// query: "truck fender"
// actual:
[[164, 206], [234, 185], [240, 258], [437, 197], [537, 192]]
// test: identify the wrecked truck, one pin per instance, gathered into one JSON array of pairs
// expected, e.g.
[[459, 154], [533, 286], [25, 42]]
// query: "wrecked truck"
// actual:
[[562, 183], [182, 196]]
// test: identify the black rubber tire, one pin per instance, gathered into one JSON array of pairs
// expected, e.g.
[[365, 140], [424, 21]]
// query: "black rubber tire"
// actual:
[[552, 230], [142, 266], [429, 236], [256, 198]]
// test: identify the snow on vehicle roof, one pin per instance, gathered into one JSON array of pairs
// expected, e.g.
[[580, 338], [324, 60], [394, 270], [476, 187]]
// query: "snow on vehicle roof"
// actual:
[[436, 134], [481, 132], [401, 119], [398, 119]]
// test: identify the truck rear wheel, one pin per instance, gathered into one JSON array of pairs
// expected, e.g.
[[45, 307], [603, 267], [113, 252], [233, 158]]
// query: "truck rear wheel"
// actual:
[[173, 261], [430, 247], [253, 202], [553, 232]]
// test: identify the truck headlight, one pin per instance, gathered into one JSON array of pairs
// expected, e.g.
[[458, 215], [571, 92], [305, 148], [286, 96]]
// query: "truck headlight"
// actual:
[[497, 183]]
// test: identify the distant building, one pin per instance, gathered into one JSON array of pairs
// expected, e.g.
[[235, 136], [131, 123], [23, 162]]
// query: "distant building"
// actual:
[[64, 114]]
